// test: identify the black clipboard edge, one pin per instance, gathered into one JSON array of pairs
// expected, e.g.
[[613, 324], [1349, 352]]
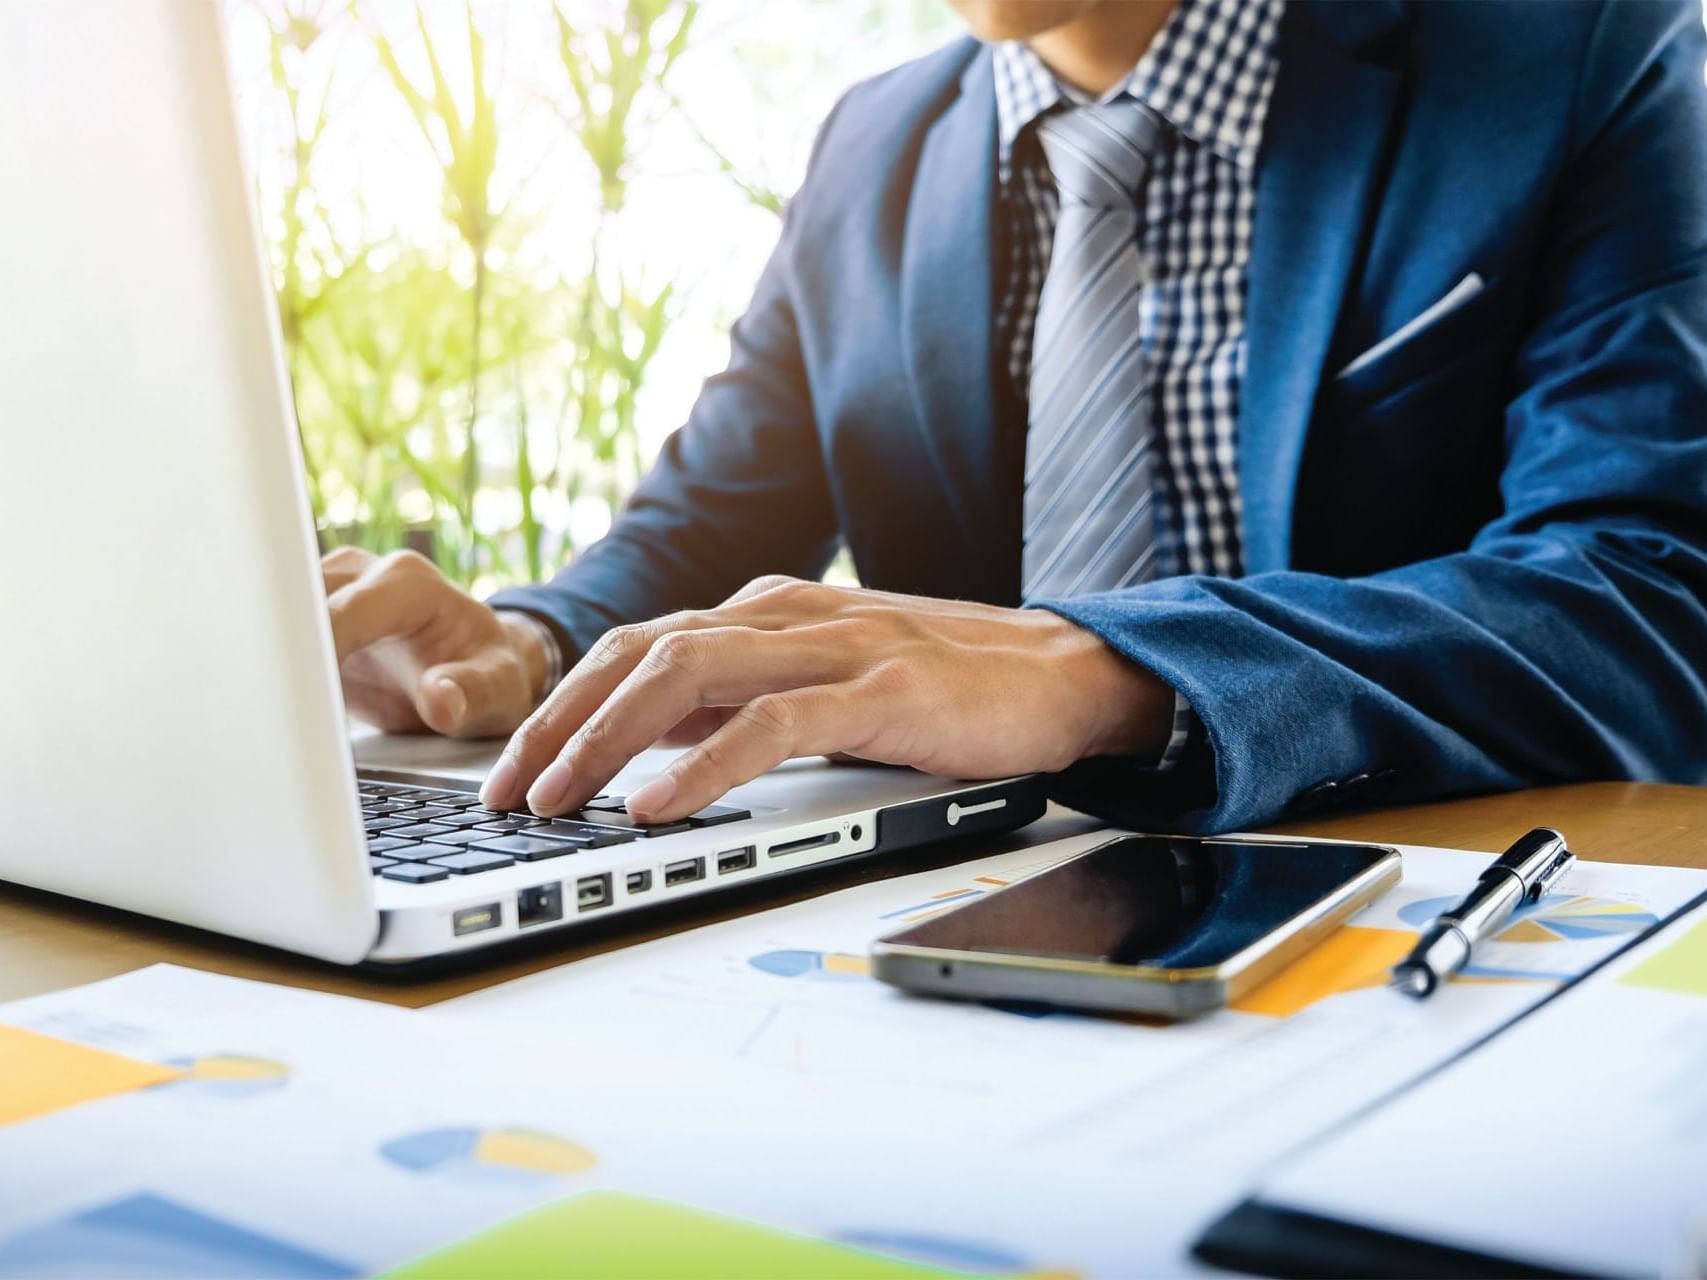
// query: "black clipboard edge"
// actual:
[[1267, 1240]]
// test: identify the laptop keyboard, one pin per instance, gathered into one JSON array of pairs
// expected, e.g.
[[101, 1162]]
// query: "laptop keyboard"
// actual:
[[416, 835]]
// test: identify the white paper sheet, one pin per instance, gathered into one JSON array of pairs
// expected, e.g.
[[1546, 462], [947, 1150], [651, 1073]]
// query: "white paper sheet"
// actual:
[[1576, 1141]]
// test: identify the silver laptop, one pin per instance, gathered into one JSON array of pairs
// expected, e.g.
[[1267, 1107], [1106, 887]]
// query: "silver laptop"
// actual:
[[174, 734]]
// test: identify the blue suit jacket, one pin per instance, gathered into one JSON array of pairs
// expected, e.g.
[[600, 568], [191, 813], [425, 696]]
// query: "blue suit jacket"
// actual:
[[1479, 562]]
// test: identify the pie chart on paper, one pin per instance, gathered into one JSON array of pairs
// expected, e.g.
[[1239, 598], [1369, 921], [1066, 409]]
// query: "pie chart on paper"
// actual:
[[1556, 918], [502, 1154], [1556, 921], [230, 1075]]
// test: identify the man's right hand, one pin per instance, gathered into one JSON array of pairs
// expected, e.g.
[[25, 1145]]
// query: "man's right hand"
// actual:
[[417, 652]]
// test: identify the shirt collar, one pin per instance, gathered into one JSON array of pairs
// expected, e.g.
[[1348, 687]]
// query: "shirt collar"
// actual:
[[1209, 73]]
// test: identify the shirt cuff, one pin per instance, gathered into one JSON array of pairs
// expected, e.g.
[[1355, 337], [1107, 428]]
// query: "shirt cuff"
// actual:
[[1185, 721]]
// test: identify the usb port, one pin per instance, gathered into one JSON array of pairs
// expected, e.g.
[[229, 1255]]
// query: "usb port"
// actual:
[[809, 842], [638, 881], [475, 919], [736, 859], [592, 892], [684, 871]]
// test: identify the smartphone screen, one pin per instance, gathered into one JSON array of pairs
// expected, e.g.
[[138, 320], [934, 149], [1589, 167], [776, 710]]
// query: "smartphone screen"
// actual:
[[1171, 903]]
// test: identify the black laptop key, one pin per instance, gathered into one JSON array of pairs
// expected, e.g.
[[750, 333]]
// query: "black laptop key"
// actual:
[[468, 861], [380, 864], [380, 808], [460, 837], [415, 873], [609, 803], [461, 819], [374, 826], [426, 812], [450, 800], [382, 843], [418, 852], [623, 822], [588, 835], [507, 823], [421, 830], [716, 814], [526, 848]]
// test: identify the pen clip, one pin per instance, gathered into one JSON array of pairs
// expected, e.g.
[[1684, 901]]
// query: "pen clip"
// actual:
[[1550, 875]]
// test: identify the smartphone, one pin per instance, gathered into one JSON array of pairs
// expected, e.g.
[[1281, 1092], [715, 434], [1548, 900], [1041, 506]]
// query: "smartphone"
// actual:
[[1143, 924]]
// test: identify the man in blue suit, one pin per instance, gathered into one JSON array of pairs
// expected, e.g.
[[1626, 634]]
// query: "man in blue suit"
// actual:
[[1231, 406]]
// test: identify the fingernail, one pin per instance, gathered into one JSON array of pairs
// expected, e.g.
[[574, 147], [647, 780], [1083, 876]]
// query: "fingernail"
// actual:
[[498, 791], [653, 796], [546, 797], [454, 699]]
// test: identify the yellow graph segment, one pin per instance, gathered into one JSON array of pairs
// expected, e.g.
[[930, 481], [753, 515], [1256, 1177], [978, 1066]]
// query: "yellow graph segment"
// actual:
[[530, 1149], [1527, 931], [41, 1074], [841, 962], [228, 1066], [1352, 957]]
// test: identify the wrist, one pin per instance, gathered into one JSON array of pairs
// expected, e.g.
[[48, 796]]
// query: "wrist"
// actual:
[[536, 647], [1126, 709]]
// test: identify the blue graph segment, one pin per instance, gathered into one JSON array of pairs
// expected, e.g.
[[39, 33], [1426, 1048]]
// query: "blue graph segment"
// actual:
[[152, 1236], [431, 1148], [1599, 926], [788, 964]]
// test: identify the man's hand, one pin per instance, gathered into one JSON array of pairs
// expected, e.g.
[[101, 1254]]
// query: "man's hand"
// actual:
[[788, 668], [416, 652]]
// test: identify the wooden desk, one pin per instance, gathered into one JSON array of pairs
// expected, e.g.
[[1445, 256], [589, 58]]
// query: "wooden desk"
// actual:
[[48, 942]]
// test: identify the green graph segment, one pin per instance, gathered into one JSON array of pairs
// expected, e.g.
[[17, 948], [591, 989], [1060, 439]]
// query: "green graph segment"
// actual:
[[1680, 967], [607, 1235]]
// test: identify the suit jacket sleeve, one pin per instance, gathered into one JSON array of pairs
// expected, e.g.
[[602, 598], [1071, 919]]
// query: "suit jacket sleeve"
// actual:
[[737, 492], [1569, 640]]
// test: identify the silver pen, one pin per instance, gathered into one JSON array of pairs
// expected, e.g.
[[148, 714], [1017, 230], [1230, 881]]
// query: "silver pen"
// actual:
[[1523, 873]]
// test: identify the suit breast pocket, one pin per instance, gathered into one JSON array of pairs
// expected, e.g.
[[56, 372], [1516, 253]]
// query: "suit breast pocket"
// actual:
[[1405, 458], [1452, 331]]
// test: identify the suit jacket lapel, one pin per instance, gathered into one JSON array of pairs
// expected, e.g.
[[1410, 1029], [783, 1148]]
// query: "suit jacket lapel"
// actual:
[[1320, 168], [947, 319]]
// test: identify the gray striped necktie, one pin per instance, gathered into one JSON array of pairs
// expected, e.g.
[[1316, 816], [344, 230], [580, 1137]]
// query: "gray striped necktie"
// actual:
[[1089, 457]]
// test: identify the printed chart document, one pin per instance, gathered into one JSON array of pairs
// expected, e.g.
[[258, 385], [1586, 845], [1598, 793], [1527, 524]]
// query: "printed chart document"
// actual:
[[743, 1094], [786, 995], [1586, 1123], [222, 1128]]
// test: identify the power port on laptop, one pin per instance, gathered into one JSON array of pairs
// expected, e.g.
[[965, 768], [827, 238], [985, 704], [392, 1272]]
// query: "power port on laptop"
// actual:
[[539, 905]]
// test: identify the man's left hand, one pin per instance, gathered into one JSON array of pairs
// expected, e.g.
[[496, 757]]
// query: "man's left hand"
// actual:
[[789, 668]]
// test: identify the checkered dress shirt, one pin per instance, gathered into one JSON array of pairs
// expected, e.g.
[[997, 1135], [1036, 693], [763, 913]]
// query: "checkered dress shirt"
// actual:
[[1209, 74]]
